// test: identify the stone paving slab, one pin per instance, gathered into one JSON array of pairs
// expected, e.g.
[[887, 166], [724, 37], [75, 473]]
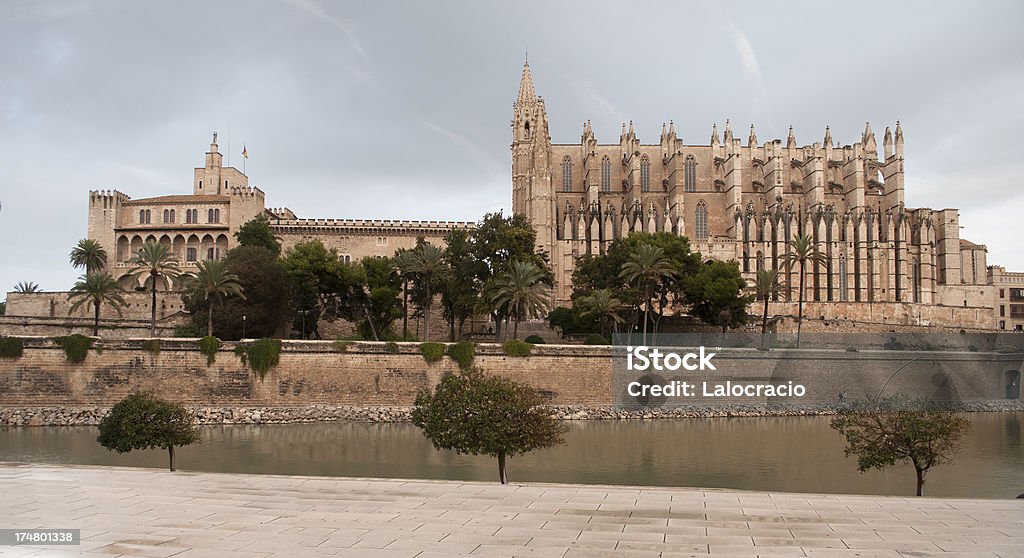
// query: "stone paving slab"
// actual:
[[155, 513]]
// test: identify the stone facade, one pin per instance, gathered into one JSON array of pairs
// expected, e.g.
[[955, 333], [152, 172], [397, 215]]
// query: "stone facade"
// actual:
[[202, 225], [1008, 298], [743, 201]]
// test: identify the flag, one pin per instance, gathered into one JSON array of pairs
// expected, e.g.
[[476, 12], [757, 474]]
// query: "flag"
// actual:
[[245, 153]]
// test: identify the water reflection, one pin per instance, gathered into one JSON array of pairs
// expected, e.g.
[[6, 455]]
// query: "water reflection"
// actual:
[[792, 454]]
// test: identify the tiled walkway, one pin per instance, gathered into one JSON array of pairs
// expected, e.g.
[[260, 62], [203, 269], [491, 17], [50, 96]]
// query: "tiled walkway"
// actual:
[[149, 512]]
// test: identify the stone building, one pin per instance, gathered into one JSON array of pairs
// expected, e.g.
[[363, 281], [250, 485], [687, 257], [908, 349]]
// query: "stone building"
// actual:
[[1008, 299], [743, 200], [202, 225]]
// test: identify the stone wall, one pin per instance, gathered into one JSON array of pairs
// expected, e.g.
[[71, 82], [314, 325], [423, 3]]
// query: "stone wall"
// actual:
[[366, 374]]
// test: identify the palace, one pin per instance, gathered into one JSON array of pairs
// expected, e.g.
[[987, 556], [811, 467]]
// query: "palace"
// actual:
[[744, 201]]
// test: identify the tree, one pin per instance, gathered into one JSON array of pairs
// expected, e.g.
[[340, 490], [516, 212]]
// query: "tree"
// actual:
[[603, 306], [89, 255], [460, 288], [96, 288], [144, 421], [27, 287], [429, 265], [716, 295], [803, 251], [211, 283], [646, 266], [372, 300], [520, 293], [472, 413], [256, 232], [266, 310], [882, 431], [404, 262], [766, 284], [154, 261], [318, 277]]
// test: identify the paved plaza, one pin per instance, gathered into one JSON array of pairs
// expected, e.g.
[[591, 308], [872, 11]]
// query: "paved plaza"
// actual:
[[155, 513]]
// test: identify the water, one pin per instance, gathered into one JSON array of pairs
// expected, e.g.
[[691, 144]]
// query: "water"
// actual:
[[788, 454]]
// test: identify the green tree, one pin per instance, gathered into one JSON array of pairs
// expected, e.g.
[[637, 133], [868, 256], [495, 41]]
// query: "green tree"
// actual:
[[602, 305], [766, 284], [144, 421], [646, 267], [802, 251], [460, 289], [154, 261], [430, 267], [266, 309], [883, 431], [211, 283], [404, 262], [472, 413], [96, 288], [372, 299], [715, 293], [520, 293], [89, 255], [27, 287], [319, 277], [256, 232]]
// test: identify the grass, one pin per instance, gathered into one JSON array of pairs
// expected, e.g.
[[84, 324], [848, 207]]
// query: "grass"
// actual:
[[76, 346], [463, 353], [209, 346], [261, 355], [517, 348], [432, 352]]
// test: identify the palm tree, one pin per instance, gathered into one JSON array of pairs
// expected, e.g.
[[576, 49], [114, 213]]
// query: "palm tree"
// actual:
[[803, 250], [766, 283], [646, 266], [212, 283], [89, 254], [520, 291], [404, 262], [154, 261], [428, 263], [27, 287], [96, 288], [604, 306]]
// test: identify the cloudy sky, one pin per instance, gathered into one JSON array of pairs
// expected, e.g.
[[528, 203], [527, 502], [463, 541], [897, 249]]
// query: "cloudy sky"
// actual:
[[402, 110]]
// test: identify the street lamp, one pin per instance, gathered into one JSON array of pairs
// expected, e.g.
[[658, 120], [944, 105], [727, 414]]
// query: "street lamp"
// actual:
[[243, 326]]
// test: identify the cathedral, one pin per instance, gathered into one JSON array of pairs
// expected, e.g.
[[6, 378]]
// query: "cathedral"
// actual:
[[744, 200]]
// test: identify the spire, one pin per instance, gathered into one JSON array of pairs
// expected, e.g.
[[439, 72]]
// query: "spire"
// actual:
[[887, 144], [791, 139], [671, 128], [526, 92], [869, 139], [622, 134], [631, 132], [727, 134], [828, 136], [714, 135], [899, 139], [664, 130], [752, 139]]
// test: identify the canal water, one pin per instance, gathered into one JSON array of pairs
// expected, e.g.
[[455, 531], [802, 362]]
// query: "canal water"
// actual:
[[788, 454]]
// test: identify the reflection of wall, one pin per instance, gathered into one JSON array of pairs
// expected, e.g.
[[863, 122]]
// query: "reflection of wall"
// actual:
[[317, 373]]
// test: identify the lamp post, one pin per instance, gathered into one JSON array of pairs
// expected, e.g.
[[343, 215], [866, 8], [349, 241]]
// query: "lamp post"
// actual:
[[243, 326], [303, 324]]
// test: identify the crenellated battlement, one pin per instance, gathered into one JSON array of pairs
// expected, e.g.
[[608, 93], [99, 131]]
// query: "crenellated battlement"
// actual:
[[373, 223], [107, 198], [247, 192]]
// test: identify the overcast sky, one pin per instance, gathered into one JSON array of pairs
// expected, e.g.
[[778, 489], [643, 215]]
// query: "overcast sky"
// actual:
[[402, 110]]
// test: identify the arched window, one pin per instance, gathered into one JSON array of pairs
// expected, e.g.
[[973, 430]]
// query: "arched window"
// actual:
[[216, 216], [843, 283], [645, 174], [566, 174], [209, 216], [915, 280], [149, 217], [690, 174], [172, 215], [167, 216], [195, 215], [190, 254], [700, 223], [606, 175]]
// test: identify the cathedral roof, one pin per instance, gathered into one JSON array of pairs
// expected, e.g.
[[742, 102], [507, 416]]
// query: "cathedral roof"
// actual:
[[526, 92], [181, 199]]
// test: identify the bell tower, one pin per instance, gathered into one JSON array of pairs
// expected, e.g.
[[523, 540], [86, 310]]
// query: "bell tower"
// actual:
[[532, 193]]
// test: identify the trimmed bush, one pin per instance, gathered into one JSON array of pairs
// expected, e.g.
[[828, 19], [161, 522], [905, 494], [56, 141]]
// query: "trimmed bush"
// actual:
[[595, 339], [75, 346], [391, 348], [209, 346], [535, 340], [151, 346], [432, 352], [11, 347], [463, 353], [261, 355], [517, 348]]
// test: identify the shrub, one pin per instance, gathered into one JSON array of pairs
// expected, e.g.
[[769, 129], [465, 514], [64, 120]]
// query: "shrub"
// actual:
[[75, 346], [208, 346], [391, 348], [144, 421], [595, 339], [535, 340], [463, 353], [517, 348], [342, 345], [11, 347], [151, 346], [432, 352], [261, 355]]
